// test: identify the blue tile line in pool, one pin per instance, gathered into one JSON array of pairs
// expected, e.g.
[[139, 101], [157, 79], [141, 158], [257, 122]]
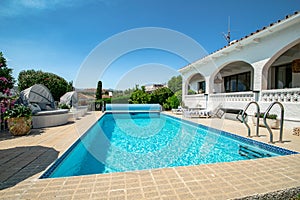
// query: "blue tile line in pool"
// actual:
[[249, 141], [59, 160], [262, 145]]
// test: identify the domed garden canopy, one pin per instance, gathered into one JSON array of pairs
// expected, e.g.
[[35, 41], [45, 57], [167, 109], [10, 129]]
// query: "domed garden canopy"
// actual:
[[70, 98], [38, 94]]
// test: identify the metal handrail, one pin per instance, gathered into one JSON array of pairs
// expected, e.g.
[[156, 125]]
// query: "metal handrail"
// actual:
[[281, 121], [257, 118], [237, 117]]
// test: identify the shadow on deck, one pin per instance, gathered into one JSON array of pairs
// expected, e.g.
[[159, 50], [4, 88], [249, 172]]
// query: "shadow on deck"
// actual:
[[19, 163]]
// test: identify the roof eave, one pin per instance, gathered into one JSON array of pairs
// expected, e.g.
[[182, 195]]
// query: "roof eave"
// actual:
[[254, 37]]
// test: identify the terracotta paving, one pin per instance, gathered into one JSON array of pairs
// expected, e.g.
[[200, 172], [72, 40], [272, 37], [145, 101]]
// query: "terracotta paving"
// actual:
[[24, 159]]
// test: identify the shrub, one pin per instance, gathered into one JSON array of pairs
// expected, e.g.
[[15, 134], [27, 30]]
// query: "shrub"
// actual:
[[269, 116], [179, 95], [191, 92], [63, 106], [139, 96], [121, 99], [272, 116], [172, 102], [18, 111], [106, 100]]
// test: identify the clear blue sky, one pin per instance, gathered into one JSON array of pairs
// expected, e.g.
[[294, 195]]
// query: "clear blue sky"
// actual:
[[57, 35]]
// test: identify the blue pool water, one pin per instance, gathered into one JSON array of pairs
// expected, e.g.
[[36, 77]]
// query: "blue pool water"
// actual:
[[120, 142]]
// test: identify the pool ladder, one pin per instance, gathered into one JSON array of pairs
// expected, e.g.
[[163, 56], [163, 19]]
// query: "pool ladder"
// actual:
[[243, 115], [281, 121]]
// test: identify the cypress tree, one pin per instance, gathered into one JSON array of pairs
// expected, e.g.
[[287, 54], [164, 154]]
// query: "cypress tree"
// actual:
[[99, 91]]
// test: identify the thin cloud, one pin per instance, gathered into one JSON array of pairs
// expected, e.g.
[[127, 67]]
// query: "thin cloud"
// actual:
[[12, 8], [36, 4]]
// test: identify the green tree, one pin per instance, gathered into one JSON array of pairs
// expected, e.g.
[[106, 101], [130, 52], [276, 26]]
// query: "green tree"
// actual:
[[7, 80], [178, 94], [161, 95], [99, 91], [6, 83], [175, 83], [70, 86], [139, 96], [172, 102], [57, 85]]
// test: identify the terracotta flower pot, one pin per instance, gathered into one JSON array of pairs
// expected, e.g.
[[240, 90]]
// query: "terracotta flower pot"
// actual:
[[19, 126]]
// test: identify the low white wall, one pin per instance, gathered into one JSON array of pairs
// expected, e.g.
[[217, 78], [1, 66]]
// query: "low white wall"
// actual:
[[291, 109], [195, 101]]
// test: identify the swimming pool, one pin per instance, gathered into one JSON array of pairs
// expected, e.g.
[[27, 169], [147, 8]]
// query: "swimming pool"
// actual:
[[131, 141]]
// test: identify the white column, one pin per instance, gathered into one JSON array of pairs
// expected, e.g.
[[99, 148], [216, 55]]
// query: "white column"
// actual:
[[184, 88], [260, 75]]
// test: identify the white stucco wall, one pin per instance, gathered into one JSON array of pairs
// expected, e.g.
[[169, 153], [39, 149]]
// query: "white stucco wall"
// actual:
[[260, 50]]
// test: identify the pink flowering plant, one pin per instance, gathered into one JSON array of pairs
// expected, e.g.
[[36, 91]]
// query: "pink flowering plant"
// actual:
[[6, 83], [6, 79], [6, 103], [4, 86]]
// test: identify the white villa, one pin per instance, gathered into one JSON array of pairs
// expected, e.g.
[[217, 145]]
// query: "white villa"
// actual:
[[263, 67], [152, 87]]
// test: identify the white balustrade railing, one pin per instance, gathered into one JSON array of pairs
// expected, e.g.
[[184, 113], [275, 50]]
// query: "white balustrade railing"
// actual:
[[281, 95], [235, 96], [200, 97], [200, 100], [290, 98]]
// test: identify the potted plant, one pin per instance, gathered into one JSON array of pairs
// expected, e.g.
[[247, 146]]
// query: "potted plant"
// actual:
[[272, 120], [18, 120], [64, 106]]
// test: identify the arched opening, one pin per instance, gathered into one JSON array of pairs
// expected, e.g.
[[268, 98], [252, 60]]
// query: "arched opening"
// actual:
[[233, 77], [196, 84], [284, 72]]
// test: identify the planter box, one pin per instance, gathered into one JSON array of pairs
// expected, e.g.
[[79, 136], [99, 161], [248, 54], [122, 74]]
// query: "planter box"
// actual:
[[273, 123], [19, 126]]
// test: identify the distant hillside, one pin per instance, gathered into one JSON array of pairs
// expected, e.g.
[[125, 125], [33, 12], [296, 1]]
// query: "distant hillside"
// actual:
[[87, 91], [85, 96]]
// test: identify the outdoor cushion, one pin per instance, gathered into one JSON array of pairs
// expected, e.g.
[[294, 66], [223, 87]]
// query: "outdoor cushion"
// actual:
[[52, 112], [34, 108]]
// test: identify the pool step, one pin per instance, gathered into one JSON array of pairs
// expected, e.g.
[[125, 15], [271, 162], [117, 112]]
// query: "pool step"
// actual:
[[251, 153]]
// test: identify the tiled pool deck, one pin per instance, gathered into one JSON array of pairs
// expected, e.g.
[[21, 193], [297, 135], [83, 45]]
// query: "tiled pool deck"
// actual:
[[24, 159]]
